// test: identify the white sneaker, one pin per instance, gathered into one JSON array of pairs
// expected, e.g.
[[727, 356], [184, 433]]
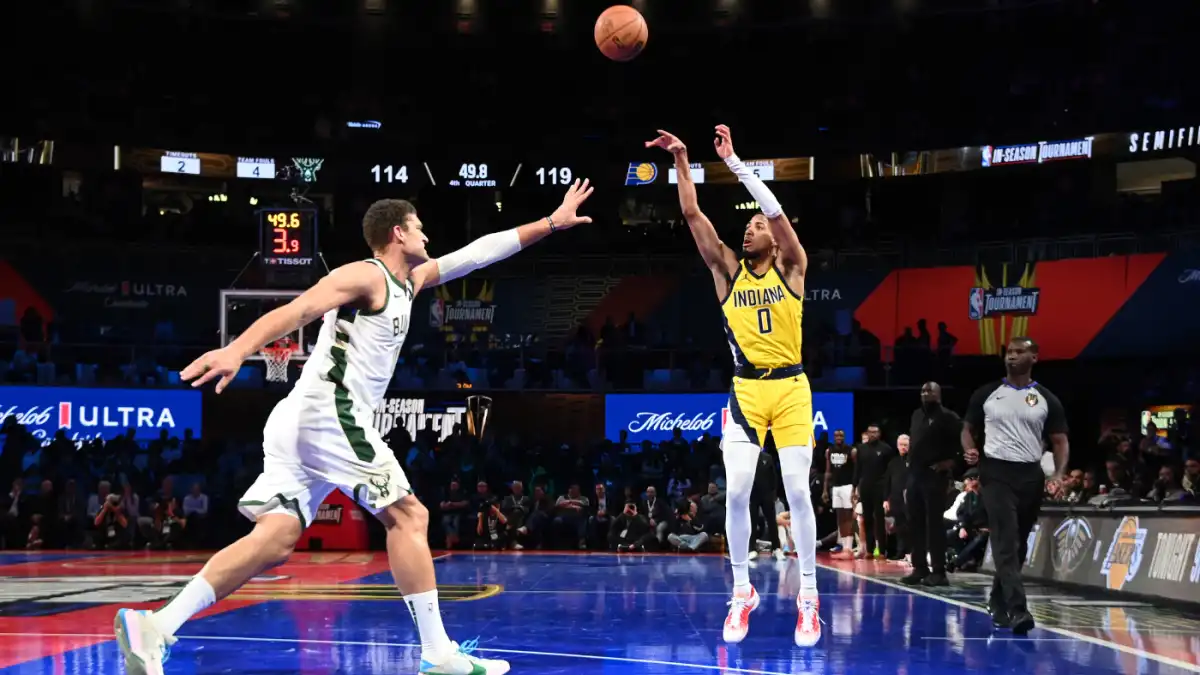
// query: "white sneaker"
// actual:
[[737, 624], [145, 648], [808, 624], [462, 663]]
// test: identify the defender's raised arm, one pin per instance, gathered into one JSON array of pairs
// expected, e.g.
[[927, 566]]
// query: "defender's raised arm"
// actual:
[[716, 255]]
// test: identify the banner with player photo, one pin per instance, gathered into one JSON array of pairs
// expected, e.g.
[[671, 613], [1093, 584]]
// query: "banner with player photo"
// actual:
[[1147, 551]]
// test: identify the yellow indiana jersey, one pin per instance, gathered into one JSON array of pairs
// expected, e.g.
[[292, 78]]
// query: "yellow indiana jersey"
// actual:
[[762, 319]]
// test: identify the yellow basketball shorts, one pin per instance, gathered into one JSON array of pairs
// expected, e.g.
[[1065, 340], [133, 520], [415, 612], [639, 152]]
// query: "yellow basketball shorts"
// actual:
[[784, 406]]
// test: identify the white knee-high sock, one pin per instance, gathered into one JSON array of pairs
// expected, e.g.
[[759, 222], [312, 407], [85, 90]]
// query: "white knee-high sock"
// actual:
[[794, 464], [741, 461]]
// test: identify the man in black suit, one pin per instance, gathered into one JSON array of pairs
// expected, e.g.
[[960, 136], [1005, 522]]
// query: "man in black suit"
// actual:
[[870, 470], [659, 513], [935, 435]]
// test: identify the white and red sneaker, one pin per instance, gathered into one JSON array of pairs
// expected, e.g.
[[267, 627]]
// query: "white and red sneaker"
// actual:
[[808, 625], [737, 624]]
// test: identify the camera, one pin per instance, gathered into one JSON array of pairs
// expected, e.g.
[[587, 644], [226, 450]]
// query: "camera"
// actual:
[[113, 499]]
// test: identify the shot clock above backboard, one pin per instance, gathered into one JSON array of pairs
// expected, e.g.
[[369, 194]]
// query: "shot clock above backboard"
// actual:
[[288, 236]]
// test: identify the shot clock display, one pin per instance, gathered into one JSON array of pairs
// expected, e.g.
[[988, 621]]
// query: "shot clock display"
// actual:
[[289, 236]]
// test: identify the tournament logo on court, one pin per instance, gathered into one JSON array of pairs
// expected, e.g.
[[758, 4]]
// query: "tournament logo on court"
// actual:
[[1124, 554], [1072, 540]]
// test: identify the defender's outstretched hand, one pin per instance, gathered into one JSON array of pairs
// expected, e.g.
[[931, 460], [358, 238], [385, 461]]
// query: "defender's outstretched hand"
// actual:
[[667, 141], [564, 216], [723, 142], [222, 363]]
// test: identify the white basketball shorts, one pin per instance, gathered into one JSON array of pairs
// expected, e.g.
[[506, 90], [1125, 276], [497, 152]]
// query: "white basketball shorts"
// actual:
[[841, 495], [315, 442]]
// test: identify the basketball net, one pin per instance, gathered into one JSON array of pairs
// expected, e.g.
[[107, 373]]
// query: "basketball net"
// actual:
[[277, 356]]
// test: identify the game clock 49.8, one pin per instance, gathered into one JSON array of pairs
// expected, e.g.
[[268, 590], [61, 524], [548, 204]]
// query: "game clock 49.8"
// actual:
[[289, 236]]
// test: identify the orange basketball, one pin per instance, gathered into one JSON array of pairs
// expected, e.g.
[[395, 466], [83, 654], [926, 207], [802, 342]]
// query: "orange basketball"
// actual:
[[621, 32]]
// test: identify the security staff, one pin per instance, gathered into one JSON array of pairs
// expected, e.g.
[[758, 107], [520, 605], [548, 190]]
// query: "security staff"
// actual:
[[935, 435], [1014, 416]]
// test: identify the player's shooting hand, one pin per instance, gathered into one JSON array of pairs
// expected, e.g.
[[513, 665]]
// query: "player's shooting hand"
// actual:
[[723, 142], [667, 141], [564, 216], [219, 363]]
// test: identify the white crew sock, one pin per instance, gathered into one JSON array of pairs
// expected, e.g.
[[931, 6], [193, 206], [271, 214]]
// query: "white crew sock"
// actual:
[[428, 617], [197, 595]]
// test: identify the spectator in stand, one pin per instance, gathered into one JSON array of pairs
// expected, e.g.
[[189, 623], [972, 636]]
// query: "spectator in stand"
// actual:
[[1090, 487], [111, 525], [540, 515], [169, 525], [1167, 488], [195, 511], [516, 507], [1116, 478], [968, 534], [712, 509], [571, 512], [658, 513], [16, 508], [599, 520], [630, 531], [71, 514], [687, 533], [45, 506], [1191, 477], [453, 507], [1072, 488], [679, 486]]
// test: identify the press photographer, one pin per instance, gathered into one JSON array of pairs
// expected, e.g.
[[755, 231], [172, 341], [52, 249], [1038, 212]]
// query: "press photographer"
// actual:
[[491, 527], [112, 527]]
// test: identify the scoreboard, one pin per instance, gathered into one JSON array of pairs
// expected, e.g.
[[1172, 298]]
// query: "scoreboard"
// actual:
[[403, 174]]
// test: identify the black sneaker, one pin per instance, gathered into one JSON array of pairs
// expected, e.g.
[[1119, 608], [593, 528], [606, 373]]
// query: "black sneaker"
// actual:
[[1000, 618], [916, 577], [1022, 623], [935, 579]]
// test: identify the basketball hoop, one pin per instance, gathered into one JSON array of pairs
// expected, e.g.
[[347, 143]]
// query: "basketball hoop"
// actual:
[[277, 357]]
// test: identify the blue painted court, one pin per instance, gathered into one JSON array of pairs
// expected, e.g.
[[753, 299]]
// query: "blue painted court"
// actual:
[[577, 614]]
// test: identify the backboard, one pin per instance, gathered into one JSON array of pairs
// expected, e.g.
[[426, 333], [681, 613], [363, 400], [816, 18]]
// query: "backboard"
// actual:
[[240, 308]]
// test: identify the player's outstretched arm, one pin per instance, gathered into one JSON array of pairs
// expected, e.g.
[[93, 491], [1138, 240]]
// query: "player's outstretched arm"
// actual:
[[791, 253], [716, 254], [357, 282], [497, 246]]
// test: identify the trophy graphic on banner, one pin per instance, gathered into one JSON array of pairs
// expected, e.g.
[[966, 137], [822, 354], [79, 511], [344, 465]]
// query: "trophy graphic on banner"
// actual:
[[479, 408]]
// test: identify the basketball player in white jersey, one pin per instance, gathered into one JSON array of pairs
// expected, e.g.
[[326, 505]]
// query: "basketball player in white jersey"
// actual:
[[320, 438]]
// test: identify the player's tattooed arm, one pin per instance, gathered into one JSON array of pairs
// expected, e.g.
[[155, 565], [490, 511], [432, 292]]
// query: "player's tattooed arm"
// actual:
[[792, 257], [495, 247], [715, 253]]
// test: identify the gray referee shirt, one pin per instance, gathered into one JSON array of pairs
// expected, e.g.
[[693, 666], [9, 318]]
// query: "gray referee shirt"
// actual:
[[1015, 421]]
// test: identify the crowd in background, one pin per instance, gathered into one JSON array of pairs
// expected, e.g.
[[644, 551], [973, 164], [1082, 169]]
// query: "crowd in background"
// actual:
[[502, 492]]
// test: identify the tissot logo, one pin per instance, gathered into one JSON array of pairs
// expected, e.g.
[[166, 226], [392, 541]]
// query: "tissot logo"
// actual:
[[1164, 139]]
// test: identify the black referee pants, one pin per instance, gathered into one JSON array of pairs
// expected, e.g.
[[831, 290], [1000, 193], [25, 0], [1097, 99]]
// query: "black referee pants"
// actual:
[[1012, 496], [926, 504]]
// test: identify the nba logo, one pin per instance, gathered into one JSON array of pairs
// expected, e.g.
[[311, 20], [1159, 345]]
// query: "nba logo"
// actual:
[[437, 313], [975, 305]]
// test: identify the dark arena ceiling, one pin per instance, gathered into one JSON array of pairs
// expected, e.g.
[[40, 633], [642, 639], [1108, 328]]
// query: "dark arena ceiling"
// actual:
[[818, 74]]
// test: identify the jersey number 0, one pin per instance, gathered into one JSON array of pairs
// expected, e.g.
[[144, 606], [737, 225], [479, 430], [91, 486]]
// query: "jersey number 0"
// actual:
[[764, 320]]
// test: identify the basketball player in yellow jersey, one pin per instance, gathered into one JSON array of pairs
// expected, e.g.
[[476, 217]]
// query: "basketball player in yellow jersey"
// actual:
[[762, 298]]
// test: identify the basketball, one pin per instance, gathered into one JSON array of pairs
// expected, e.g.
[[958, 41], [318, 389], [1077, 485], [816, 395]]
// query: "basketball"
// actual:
[[621, 33]]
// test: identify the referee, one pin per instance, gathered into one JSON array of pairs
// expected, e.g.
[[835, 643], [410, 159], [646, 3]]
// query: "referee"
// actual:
[[1014, 416]]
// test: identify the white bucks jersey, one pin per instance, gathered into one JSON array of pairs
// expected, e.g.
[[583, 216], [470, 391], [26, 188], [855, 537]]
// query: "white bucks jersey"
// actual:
[[357, 349]]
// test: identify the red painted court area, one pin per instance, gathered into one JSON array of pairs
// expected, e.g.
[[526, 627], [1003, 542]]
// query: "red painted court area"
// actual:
[[570, 613]]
